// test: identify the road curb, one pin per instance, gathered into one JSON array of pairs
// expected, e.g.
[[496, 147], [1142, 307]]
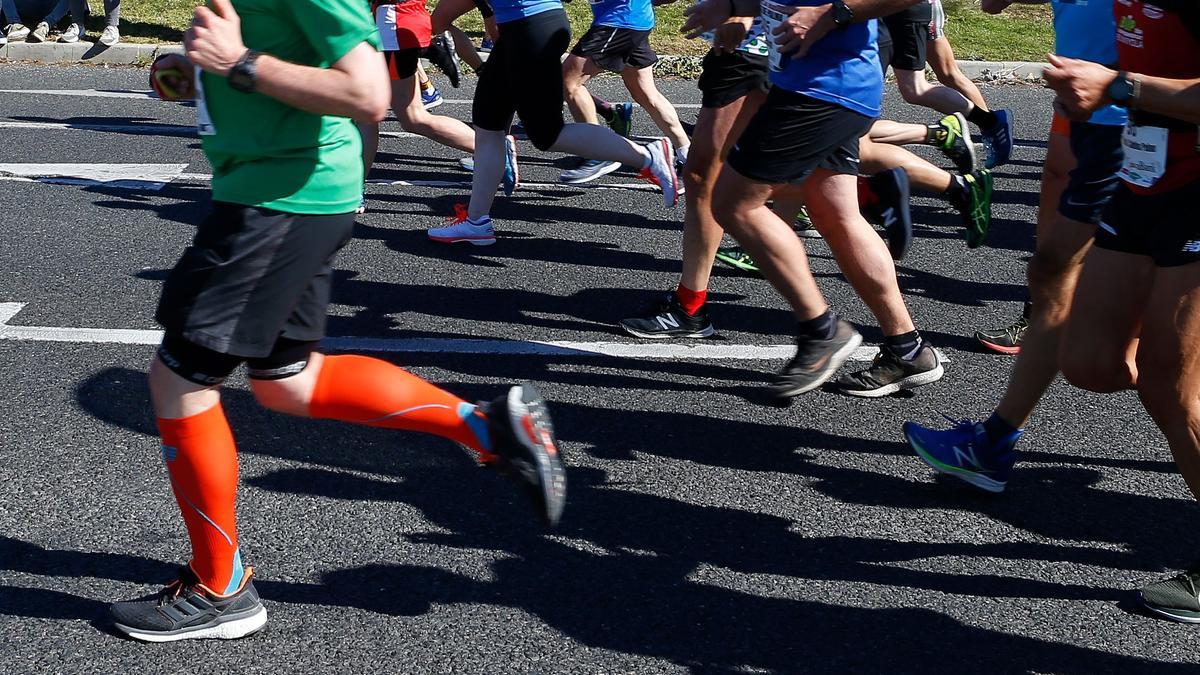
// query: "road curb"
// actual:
[[135, 54]]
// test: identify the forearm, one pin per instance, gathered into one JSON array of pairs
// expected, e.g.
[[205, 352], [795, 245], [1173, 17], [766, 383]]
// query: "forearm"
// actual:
[[1178, 99], [321, 91], [863, 9]]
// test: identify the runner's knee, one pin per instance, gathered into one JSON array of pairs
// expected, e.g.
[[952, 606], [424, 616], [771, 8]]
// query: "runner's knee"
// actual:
[[273, 377], [1100, 368]]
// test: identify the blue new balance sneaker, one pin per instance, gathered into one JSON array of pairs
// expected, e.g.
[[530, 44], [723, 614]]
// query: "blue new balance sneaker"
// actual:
[[965, 452], [432, 98], [999, 140]]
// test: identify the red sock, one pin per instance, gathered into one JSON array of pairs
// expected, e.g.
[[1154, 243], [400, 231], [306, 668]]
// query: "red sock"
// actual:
[[866, 196], [369, 391], [201, 459], [690, 300]]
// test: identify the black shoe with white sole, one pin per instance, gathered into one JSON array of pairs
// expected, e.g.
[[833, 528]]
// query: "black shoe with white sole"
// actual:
[[1177, 598], [668, 320], [187, 609], [526, 449], [889, 374], [815, 362]]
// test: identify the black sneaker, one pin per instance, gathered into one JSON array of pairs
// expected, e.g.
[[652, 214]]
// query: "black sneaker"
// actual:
[[885, 203], [889, 374], [526, 450], [815, 362], [1006, 340], [1177, 598], [440, 53], [187, 609], [668, 320]]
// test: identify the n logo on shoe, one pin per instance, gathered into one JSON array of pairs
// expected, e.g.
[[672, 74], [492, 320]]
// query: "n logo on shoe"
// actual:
[[667, 321]]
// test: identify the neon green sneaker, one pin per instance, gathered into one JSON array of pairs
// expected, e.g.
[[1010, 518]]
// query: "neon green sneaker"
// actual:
[[977, 212], [735, 257], [951, 137]]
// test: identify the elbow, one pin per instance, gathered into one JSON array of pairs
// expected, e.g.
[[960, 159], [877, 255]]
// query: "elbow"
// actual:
[[371, 103]]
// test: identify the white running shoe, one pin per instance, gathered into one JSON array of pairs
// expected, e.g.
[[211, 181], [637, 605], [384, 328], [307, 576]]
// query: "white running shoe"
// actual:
[[461, 229], [72, 35], [17, 32], [661, 171], [110, 36]]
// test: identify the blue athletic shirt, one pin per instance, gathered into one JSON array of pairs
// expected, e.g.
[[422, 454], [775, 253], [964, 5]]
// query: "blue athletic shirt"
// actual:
[[632, 14], [841, 68], [514, 10], [1085, 29]]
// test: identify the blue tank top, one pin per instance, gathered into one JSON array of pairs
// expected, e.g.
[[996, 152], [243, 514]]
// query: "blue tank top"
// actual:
[[842, 68], [632, 14], [514, 10], [1085, 29]]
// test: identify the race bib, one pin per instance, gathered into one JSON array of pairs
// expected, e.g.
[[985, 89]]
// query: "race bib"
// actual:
[[774, 14], [1145, 155], [204, 123]]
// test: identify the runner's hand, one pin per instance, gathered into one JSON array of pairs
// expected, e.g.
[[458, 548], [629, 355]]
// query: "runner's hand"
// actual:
[[1082, 86], [803, 29], [214, 42], [704, 16], [996, 6], [173, 78], [730, 35]]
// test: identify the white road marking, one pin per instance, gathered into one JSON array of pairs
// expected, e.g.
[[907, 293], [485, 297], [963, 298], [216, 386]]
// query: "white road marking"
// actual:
[[148, 129], [128, 176], [699, 351]]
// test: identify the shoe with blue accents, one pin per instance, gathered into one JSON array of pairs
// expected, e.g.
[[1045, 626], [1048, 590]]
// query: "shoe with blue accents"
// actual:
[[461, 229], [187, 609], [432, 98], [512, 173], [965, 452], [622, 119], [998, 141]]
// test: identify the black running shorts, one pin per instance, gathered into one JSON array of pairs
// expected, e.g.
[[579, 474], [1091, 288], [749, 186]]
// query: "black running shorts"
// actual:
[[1162, 226], [524, 75], [402, 64], [724, 78], [910, 31], [793, 134], [252, 276], [613, 48], [1098, 155]]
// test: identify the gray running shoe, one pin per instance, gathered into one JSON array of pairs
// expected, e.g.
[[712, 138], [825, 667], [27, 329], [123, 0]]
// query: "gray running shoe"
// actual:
[[526, 450], [815, 362], [187, 609], [589, 170], [889, 374], [1177, 598], [72, 35], [40, 33]]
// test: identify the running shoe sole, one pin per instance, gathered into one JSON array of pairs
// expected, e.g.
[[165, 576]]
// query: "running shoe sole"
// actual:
[[707, 331], [1011, 351], [1183, 616], [226, 628], [533, 429], [835, 363], [910, 382], [972, 477], [488, 241], [736, 263], [604, 170]]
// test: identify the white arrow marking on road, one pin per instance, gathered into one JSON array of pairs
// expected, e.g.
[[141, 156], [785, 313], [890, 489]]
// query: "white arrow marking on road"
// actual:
[[128, 176], [626, 350]]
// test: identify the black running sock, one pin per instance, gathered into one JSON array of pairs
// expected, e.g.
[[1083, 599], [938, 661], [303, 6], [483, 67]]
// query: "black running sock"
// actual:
[[997, 428], [984, 119], [905, 346], [959, 193], [935, 135], [821, 328]]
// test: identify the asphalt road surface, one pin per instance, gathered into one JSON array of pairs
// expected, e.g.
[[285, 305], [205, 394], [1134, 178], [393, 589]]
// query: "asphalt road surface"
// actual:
[[706, 531]]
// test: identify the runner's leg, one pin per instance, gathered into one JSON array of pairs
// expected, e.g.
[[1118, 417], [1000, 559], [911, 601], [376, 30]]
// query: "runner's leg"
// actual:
[[414, 118], [640, 83], [577, 70], [941, 59]]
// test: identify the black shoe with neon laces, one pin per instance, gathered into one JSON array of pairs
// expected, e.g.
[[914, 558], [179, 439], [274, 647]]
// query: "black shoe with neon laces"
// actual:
[[187, 609], [526, 450], [889, 374], [1006, 340], [668, 320]]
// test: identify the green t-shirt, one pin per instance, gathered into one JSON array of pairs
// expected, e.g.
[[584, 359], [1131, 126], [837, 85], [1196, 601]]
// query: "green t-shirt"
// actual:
[[266, 153]]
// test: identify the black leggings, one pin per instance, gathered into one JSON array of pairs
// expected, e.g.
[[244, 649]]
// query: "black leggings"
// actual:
[[524, 75]]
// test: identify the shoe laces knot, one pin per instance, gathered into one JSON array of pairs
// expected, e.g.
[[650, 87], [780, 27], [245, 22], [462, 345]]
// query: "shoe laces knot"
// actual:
[[647, 174], [460, 215]]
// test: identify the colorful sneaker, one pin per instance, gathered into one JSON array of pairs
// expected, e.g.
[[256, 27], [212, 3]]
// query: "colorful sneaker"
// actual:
[[461, 229], [432, 98], [525, 448], [587, 171], [440, 53], [187, 609], [815, 362], [884, 200], [486, 44], [889, 374], [965, 452], [999, 140], [977, 211], [954, 141], [737, 258], [1006, 340], [802, 221], [1177, 598], [668, 320], [511, 177], [661, 170], [622, 120]]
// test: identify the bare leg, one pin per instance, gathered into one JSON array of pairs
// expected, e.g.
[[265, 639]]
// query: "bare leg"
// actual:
[[945, 66], [465, 49], [879, 157], [917, 90], [898, 133], [640, 83], [415, 119], [577, 70]]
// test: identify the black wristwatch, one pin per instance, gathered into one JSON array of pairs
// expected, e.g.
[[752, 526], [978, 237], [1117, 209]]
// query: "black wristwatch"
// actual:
[[842, 15], [244, 74], [1122, 90]]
